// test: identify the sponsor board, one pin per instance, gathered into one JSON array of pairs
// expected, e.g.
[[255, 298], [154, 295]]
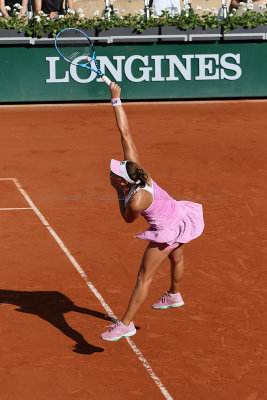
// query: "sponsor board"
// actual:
[[144, 71]]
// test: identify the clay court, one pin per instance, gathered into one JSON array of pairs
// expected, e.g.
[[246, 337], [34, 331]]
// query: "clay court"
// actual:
[[67, 256]]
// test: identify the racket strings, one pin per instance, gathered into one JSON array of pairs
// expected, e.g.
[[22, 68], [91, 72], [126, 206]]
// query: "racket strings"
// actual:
[[75, 47]]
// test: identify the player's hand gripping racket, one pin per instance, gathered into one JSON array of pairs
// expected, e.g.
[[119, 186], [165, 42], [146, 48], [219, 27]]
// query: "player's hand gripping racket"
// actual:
[[75, 47]]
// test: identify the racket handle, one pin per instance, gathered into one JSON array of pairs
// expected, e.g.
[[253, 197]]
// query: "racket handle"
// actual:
[[106, 80]]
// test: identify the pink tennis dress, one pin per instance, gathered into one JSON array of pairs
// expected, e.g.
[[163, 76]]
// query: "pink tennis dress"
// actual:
[[171, 222]]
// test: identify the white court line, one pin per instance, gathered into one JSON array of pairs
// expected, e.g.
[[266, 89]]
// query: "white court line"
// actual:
[[7, 209], [90, 285]]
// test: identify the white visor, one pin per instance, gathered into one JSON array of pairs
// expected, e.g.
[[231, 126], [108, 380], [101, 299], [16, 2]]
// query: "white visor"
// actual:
[[119, 168]]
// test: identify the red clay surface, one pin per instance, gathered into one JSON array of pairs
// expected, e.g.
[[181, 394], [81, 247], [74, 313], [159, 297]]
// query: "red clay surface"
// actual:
[[212, 348]]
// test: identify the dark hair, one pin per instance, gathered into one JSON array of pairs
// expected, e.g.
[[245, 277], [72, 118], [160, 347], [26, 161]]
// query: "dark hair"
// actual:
[[136, 173]]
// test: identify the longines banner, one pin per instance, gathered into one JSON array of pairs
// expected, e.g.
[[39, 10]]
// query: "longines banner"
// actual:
[[145, 71]]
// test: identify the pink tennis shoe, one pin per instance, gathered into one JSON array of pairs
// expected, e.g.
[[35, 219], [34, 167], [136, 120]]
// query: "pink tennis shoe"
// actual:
[[168, 301], [118, 330]]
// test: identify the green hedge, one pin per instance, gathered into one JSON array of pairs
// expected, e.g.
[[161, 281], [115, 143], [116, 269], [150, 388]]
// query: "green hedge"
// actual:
[[40, 24]]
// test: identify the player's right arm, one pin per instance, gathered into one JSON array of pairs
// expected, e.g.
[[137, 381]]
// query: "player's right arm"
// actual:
[[128, 145]]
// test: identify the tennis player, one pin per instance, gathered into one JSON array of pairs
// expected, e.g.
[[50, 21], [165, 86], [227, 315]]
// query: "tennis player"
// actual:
[[172, 223]]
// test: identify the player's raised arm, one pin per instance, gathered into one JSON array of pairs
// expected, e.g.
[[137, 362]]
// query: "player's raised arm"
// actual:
[[129, 148]]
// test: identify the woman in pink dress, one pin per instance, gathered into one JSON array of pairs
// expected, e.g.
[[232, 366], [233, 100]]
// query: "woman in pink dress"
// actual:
[[172, 223]]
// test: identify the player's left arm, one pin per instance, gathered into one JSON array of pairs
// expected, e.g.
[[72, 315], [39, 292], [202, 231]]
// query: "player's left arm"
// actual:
[[133, 209], [121, 198]]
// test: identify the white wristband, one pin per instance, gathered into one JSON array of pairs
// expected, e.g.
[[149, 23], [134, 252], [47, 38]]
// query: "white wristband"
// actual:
[[116, 102]]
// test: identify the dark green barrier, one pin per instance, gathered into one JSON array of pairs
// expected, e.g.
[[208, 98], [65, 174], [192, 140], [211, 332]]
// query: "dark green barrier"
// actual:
[[145, 71]]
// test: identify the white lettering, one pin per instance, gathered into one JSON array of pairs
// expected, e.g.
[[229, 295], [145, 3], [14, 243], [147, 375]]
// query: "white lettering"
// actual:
[[74, 75], [116, 72], [52, 71], [203, 67], [230, 66], [145, 70], [184, 70], [157, 73], [139, 68]]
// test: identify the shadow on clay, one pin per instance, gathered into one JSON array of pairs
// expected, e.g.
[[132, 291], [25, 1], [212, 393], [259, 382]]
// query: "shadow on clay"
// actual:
[[51, 306]]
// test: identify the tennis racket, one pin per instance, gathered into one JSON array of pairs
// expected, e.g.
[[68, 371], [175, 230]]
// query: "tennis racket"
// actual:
[[75, 47]]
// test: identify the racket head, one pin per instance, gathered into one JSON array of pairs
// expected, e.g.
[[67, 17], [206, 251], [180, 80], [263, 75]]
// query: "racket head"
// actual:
[[75, 47]]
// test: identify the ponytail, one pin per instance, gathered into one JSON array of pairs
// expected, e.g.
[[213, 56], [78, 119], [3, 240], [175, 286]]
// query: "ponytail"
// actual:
[[136, 173]]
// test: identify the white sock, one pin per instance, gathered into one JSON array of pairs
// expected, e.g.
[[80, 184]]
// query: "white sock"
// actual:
[[173, 294]]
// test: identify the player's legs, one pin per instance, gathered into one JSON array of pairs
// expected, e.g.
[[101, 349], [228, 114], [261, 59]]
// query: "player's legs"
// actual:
[[177, 268], [152, 260]]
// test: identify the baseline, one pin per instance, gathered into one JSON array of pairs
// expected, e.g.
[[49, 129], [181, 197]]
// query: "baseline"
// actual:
[[133, 103], [14, 208]]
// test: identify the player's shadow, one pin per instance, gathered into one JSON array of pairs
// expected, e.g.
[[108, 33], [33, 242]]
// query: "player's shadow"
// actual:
[[51, 306]]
